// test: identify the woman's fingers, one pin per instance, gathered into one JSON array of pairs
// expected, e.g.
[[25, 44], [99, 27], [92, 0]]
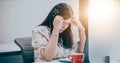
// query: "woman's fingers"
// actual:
[[58, 20]]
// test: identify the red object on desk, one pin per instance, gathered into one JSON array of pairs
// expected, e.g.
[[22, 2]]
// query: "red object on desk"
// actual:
[[77, 61], [77, 57]]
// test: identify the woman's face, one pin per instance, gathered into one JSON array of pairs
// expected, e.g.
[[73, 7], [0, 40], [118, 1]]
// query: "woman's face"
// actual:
[[65, 24]]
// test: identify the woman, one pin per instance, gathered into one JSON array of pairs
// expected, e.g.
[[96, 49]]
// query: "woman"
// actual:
[[59, 35]]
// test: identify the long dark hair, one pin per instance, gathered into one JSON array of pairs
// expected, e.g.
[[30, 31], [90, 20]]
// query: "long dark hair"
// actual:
[[64, 10]]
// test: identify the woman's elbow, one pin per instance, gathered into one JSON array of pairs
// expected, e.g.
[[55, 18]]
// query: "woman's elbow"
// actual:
[[46, 55]]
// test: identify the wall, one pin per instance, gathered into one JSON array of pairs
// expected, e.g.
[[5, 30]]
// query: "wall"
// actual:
[[19, 17], [104, 32]]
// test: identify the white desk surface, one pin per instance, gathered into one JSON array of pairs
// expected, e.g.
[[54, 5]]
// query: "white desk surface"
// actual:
[[10, 47], [64, 60], [54, 61]]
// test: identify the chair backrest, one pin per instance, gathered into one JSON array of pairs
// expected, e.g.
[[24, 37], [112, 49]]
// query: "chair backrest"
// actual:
[[26, 49]]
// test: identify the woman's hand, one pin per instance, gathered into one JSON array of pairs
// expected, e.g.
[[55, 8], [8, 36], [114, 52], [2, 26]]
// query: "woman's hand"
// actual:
[[58, 20], [77, 23]]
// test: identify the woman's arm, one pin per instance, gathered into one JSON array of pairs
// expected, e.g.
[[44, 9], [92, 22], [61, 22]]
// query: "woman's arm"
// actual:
[[81, 34], [48, 52], [50, 49], [82, 38]]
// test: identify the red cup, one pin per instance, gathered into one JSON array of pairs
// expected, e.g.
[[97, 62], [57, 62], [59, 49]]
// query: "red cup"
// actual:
[[77, 57]]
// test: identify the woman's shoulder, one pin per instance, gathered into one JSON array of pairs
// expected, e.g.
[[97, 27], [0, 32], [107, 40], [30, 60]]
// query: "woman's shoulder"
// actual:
[[42, 29]]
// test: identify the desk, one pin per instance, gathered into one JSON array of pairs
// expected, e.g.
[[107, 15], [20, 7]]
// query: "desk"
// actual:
[[54, 61], [8, 49], [63, 60], [10, 53]]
